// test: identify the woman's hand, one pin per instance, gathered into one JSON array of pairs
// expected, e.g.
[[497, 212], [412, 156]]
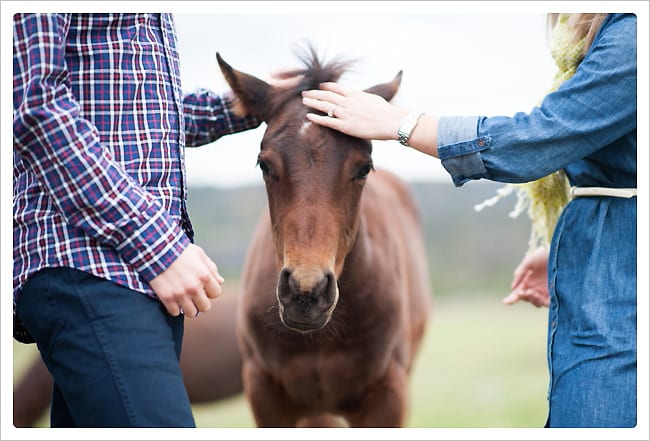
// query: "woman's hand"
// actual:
[[530, 280], [354, 112], [368, 116]]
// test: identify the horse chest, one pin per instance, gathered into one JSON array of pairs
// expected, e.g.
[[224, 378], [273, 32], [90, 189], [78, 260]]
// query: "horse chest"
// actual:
[[323, 381], [325, 374]]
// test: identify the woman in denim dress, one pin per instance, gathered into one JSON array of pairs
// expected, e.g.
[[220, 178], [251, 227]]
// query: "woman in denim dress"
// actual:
[[587, 128]]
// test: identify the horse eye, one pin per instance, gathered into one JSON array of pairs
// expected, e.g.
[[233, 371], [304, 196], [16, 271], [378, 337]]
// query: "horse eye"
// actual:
[[264, 167], [363, 172]]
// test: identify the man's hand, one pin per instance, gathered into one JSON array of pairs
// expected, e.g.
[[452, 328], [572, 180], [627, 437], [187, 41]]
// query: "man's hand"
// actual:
[[188, 284]]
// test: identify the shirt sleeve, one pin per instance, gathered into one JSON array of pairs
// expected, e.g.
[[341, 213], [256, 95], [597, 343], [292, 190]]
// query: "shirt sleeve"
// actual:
[[208, 117], [589, 111], [63, 150]]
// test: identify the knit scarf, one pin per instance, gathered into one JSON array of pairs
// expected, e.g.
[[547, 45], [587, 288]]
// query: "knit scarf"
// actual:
[[545, 198]]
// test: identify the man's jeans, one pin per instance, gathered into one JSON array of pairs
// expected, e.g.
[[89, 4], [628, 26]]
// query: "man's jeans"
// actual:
[[113, 352]]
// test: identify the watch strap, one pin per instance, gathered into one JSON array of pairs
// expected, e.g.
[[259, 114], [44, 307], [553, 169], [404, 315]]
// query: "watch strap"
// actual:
[[407, 126]]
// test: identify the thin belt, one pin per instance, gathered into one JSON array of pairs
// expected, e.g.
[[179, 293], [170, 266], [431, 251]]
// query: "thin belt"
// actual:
[[581, 192]]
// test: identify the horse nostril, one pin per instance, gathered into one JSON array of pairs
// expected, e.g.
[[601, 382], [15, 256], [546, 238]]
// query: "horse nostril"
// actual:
[[284, 286], [325, 290]]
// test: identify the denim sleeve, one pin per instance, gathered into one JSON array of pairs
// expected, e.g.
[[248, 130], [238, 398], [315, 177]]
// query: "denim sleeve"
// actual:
[[589, 111], [459, 148]]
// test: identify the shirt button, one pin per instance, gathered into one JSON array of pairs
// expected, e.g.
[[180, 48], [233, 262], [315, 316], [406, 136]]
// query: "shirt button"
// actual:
[[481, 143]]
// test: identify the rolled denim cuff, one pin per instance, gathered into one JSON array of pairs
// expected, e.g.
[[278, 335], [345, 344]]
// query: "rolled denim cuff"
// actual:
[[455, 129], [459, 148]]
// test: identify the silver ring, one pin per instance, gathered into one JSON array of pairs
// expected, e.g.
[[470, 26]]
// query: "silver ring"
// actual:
[[330, 113], [181, 310]]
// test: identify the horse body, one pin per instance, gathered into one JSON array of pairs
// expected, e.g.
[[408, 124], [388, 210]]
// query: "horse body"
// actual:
[[335, 291], [373, 333]]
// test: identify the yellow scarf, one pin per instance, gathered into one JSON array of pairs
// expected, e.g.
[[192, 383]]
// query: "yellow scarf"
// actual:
[[545, 198]]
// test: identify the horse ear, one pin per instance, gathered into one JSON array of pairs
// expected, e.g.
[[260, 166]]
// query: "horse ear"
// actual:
[[252, 94], [387, 90]]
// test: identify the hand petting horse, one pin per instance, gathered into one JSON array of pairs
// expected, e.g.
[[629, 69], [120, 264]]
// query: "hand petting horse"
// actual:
[[335, 287]]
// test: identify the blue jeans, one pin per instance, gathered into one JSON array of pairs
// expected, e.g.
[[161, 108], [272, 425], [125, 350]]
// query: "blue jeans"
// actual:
[[113, 352]]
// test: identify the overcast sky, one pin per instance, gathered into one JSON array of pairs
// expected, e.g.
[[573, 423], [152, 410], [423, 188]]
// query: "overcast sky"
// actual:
[[453, 63]]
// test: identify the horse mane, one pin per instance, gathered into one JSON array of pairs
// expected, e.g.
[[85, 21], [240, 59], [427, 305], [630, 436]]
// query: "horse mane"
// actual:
[[314, 72]]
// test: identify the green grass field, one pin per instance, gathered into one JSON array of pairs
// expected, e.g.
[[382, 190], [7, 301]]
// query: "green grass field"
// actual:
[[482, 364]]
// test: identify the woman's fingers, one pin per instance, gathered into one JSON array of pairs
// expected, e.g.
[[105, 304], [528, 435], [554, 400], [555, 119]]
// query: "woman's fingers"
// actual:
[[325, 121], [322, 96], [534, 297], [323, 106], [511, 298], [336, 88], [329, 94]]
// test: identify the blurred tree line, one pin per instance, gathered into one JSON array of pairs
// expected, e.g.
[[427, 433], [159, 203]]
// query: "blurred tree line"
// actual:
[[470, 253]]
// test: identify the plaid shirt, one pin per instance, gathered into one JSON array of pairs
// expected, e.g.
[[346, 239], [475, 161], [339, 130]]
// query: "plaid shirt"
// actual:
[[100, 124]]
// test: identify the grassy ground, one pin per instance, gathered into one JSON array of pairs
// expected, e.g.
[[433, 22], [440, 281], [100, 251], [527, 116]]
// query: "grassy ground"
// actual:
[[482, 364]]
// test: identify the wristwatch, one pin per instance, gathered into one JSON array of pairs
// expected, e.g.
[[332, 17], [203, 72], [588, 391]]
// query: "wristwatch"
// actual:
[[407, 126]]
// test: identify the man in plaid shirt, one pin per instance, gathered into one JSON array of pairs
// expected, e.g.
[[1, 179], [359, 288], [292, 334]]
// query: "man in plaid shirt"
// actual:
[[104, 267]]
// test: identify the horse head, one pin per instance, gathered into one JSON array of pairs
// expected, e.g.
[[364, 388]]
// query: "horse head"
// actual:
[[314, 179]]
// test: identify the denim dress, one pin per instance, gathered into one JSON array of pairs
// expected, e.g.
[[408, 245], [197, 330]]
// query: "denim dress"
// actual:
[[587, 128]]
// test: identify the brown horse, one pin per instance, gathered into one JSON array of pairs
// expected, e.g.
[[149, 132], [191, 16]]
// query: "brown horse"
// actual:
[[335, 288]]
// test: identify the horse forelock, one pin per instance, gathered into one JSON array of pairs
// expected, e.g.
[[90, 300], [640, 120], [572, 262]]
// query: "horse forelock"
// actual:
[[314, 72]]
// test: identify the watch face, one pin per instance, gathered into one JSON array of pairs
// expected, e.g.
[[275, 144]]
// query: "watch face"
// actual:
[[407, 126]]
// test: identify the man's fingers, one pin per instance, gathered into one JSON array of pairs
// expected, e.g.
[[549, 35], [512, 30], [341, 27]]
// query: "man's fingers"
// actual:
[[197, 304], [187, 286], [212, 267], [172, 307], [192, 306], [284, 79], [212, 288]]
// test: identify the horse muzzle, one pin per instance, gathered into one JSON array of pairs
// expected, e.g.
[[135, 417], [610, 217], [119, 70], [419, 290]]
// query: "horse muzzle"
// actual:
[[306, 299]]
